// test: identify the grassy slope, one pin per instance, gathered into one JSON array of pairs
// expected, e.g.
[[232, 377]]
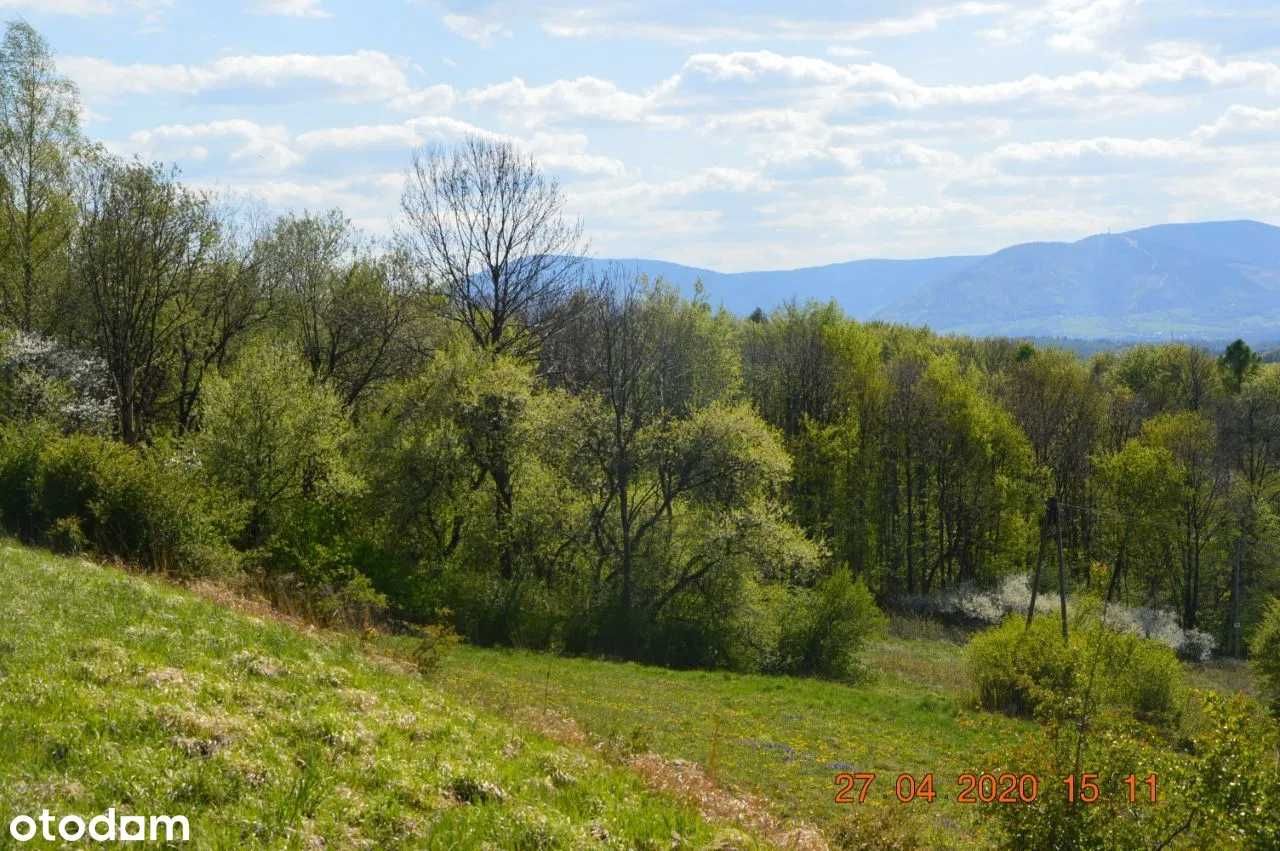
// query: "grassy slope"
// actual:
[[781, 738], [118, 691], [784, 739]]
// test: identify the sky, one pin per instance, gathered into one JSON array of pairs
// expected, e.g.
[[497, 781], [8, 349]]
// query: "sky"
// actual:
[[728, 134]]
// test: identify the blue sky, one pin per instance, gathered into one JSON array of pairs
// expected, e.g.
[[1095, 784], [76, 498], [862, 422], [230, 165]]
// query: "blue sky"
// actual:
[[735, 135]]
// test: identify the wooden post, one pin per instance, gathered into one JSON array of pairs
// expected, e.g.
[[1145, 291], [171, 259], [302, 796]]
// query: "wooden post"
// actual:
[[1035, 579]]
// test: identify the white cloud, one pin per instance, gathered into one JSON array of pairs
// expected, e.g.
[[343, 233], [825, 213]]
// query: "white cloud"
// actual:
[[1239, 193], [925, 20], [1242, 123], [555, 152], [604, 22], [477, 29], [1098, 155], [877, 83], [583, 97], [765, 120], [907, 155], [788, 136], [1068, 25], [149, 11], [368, 199], [255, 147], [366, 75], [643, 197], [293, 8], [407, 134], [438, 98], [63, 7], [845, 51], [567, 152], [818, 162]]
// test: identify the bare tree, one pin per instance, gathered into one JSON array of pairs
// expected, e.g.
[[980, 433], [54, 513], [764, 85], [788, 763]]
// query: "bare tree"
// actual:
[[488, 227]]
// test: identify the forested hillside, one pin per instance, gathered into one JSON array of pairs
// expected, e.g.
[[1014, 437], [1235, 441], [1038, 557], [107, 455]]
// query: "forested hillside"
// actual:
[[461, 424], [462, 430]]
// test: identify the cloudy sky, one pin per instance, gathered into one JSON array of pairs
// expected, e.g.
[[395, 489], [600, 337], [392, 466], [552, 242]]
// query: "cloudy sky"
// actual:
[[731, 134]]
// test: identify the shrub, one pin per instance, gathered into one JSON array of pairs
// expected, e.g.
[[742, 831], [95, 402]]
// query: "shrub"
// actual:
[[152, 508], [67, 537], [70, 478], [356, 604], [1232, 787], [19, 462], [274, 437], [827, 626], [1264, 652], [702, 630], [433, 646], [1196, 646], [968, 605], [1145, 678], [1105, 752], [1222, 792], [43, 380], [877, 827], [1015, 669], [1021, 671], [147, 506]]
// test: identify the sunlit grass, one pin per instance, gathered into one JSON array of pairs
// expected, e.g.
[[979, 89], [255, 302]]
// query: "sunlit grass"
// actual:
[[782, 738], [119, 691]]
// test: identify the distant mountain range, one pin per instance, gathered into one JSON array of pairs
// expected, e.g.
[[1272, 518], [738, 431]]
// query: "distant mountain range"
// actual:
[[1210, 280]]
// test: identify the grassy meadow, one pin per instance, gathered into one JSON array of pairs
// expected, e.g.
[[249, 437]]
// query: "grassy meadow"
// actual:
[[783, 739], [124, 691], [121, 691]]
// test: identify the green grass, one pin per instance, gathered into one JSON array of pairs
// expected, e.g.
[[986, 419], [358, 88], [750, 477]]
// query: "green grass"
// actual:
[[784, 739], [781, 738], [120, 691]]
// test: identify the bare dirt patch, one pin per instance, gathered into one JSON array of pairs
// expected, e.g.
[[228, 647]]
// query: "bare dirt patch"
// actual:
[[686, 781]]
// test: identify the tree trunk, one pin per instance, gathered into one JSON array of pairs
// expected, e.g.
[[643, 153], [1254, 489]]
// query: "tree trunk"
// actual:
[[911, 527], [1114, 585], [503, 501], [1233, 619], [1056, 511]]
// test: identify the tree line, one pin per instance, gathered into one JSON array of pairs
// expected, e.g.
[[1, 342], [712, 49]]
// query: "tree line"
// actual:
[[463, 422]]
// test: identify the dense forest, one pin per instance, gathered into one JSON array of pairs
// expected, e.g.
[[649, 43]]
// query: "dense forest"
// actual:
[[457, 425]]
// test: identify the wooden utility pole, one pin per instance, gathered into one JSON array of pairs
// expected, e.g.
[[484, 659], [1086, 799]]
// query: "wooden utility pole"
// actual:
[[1035, 579]]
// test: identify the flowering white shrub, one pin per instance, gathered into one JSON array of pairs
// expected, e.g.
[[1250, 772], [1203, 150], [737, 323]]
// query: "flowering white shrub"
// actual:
[[1162, 625], [967, 602], [42, 379], [1013, 596]]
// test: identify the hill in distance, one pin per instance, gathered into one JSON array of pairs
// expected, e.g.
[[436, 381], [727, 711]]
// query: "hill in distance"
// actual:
[[1209, 280]]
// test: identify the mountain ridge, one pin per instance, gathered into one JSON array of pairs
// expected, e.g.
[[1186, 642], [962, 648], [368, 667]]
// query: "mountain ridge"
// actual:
[[1194, 279]]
